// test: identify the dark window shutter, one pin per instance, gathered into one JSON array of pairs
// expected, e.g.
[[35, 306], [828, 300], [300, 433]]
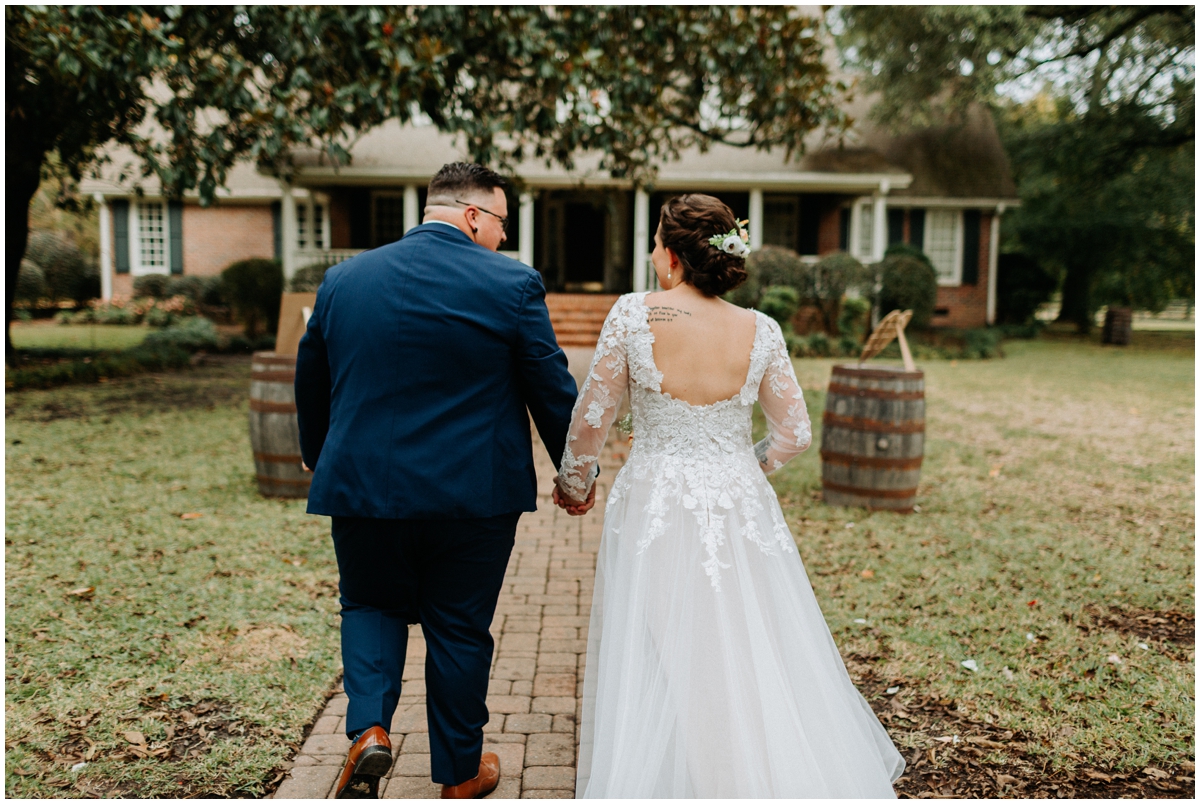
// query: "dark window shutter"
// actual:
[[120, 211], [916, 228], [277, 223], [175, 218], [844, 230], [895, 226], [971, 222]]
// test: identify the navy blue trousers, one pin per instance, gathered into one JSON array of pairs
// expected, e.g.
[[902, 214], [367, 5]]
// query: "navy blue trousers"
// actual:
[[445, 575]]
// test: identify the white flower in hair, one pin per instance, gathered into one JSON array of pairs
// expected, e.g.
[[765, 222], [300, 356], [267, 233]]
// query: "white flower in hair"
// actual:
[[733, 242]]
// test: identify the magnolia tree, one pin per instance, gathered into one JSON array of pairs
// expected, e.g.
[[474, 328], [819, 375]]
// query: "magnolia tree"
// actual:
[[193, 89]]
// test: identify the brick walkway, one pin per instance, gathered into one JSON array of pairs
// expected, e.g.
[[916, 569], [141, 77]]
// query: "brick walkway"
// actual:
[[537, 672]]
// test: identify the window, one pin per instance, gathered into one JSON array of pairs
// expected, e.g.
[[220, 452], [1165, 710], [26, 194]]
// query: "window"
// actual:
[[387, 220], [943, 244], [318, 226], [302, 225], [866, 231], [152, 235], [779, 221]]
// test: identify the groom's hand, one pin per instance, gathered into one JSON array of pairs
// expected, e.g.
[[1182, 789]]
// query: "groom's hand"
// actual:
[[571, 506]]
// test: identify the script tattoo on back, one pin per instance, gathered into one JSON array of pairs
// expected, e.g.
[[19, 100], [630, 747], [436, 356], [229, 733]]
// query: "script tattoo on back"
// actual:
[[656, 314]]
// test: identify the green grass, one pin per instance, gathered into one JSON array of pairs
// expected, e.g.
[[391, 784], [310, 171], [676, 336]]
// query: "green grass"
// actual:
[[215, 636], [83, 336], [1058, 482]]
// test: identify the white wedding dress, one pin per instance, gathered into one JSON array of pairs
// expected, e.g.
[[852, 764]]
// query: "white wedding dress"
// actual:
[[710, 670]]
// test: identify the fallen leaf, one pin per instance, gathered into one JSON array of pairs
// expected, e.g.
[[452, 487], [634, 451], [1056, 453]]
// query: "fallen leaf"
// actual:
[[23, 772], [1155, 773], [892, 690], [1097, 775], [985, 742], [83, 591], [861, 621], [191, 515], [78, 766], [1143, 646], [135, 737], [849, 525], [1007, 673], [1113, 658], [868, 573], [1032, 602], [971, 665], [1004, 780]]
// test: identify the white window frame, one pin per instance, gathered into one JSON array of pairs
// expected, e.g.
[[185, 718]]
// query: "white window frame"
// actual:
[[309, 206], [135, 238], [955, 277]]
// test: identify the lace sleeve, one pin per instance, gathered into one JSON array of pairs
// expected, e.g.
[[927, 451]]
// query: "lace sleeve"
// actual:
[[782, 401], [596, 407]]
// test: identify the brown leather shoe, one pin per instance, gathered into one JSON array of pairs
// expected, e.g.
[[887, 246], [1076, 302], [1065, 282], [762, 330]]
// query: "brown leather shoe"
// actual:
[[481, 785], [370, 757]]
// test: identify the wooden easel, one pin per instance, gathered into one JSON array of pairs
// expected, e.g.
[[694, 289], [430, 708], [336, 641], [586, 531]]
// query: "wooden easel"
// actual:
[[892, 326]]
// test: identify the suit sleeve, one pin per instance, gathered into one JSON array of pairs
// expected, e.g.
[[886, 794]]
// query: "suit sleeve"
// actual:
[[313, 389], [546, 385]]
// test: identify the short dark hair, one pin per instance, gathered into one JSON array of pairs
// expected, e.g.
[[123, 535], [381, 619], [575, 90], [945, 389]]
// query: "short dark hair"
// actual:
[[457, 178]]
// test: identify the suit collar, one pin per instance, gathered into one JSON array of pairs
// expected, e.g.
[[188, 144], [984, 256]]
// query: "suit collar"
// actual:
[[445, 229]]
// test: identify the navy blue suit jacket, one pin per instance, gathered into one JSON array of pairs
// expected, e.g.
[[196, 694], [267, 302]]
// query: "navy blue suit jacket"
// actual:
[[414, 376]]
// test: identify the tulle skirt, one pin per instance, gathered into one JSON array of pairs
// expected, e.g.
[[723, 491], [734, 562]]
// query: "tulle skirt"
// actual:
[[725, 684]]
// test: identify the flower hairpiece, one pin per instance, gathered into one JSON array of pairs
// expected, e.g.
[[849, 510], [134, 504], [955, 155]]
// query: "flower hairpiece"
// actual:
[[736, 241]]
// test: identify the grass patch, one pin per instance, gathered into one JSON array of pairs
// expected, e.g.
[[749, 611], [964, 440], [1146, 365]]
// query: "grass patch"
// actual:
[[176, 656], [1057, 502], [94, 337]]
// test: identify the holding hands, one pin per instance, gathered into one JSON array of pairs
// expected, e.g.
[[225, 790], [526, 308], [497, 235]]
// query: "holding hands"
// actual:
[[574, 507]]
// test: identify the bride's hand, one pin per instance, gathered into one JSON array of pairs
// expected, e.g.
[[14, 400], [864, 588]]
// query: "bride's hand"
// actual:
[[571, 506]]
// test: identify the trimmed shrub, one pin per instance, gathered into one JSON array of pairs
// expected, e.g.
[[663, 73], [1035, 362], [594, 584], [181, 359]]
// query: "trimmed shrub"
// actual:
[[151, 286], [780, 302], [192, 334], [909, 283], [854, 318], [31, 282], [1022, 285], [253, 288], [309, 278], [828, 281], [68, 273]]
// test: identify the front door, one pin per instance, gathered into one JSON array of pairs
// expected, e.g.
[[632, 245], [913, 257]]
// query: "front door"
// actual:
[[584, 229]]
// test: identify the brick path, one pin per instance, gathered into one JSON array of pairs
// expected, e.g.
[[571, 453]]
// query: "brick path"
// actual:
[[537, 672]]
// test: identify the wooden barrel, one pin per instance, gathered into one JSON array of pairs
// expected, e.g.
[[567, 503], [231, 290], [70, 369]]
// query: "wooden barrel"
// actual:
[[274, 433], [1118, 326], [873, 437]]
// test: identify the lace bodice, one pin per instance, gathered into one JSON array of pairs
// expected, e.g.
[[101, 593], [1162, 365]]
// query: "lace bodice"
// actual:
[[662, 425]]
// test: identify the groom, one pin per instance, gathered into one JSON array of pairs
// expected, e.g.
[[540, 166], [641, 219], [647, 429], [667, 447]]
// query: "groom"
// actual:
[[415, 381]]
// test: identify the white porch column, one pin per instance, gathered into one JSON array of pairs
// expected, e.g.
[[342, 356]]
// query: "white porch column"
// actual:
[[525, 251], [288, 233], [993, 263], [412, 215], [879, 236], [106, 248], [641, 241], [756, 219]]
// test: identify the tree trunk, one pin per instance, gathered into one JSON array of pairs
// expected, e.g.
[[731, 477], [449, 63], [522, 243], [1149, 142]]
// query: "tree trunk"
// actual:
[[1077, 298], [23, 168]]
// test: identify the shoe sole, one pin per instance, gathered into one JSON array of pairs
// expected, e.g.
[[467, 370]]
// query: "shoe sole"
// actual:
[[374, 763]]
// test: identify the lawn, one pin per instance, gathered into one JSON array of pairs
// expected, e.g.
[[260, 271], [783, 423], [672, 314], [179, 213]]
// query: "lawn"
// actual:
[[96, 337], [1054, 548], [165, 625]]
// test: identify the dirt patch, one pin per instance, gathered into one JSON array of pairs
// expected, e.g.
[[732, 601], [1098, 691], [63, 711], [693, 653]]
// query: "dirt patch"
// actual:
[[964, 758], [249, 648], [1177, 627]]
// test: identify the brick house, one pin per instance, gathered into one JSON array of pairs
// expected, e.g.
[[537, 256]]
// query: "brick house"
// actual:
[[587, 232]]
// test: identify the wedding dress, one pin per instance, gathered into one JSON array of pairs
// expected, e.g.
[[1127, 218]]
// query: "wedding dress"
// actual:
[[710, 670]]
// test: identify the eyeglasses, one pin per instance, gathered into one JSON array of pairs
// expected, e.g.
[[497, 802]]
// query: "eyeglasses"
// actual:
[[503, 220]]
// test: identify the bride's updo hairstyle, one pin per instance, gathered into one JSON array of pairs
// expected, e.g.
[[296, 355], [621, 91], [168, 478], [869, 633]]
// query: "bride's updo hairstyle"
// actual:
[[686, 224]]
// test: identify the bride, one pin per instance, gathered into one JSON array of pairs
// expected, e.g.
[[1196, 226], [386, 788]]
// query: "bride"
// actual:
[[710, 670]]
